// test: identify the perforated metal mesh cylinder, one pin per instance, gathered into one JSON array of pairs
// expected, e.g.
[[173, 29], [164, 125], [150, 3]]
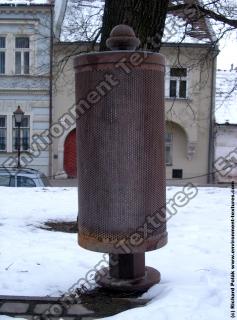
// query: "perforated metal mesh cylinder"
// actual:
[[120, 144]]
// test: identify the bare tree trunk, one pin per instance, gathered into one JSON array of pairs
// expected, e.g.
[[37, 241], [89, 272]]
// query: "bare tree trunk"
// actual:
[[147, 17]]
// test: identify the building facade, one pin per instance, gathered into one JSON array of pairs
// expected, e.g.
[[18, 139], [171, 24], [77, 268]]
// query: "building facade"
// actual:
[[189, 92], [226, 153], [225, 168], [25, 44], [25, 72], [188, 105]]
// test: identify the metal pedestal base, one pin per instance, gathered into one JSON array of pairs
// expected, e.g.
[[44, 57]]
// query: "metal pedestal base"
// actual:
[[127, 272]]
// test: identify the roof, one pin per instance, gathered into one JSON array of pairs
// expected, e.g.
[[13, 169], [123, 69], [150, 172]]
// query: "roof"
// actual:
[[180, 30], [16, 170], [59, 13], [226, 96], [25, 2], [83, 19], [59, 9], [227, 125]]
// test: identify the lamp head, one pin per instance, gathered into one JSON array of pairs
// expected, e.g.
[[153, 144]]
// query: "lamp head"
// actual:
[[18, 115]]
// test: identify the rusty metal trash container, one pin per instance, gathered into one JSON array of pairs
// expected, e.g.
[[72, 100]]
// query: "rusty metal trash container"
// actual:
[[120, 151]]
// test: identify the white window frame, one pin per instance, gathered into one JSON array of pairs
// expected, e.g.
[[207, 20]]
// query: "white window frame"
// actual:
[[8, 113], [22, 27], [4, 51], [178, 80], [22, 52]]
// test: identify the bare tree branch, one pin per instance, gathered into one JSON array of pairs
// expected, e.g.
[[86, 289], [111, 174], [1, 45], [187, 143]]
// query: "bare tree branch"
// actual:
[[205, 12]]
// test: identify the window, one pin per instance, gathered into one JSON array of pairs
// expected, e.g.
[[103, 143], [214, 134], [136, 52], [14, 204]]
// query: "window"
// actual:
[[178, 83], [24, 134], [45, 180], [25, 182], [2, 54], [4, 181], [177, 173], [168, 148], [3, 133], [22, 55]]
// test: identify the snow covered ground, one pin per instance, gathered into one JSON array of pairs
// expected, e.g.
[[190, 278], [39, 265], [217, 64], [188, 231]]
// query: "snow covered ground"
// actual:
[[195, 264]]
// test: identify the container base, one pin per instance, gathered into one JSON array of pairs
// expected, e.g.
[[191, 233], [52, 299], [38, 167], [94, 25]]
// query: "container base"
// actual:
[[142, 284]]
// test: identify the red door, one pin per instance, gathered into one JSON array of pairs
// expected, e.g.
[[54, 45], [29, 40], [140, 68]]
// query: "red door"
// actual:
[[70, 155]]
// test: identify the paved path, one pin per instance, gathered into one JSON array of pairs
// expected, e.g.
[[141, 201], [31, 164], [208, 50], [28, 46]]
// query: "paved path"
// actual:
[[90, 306]]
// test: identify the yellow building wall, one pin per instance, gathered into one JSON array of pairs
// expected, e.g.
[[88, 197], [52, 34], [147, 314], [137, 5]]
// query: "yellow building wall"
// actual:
[[189, 117]]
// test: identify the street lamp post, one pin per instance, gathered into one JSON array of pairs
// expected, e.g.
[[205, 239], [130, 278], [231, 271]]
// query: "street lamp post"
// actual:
[[18, 115]]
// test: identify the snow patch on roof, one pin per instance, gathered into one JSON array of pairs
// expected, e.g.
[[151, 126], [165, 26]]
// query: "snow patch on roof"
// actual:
[[177, 30], [59, 13], [226, 96]]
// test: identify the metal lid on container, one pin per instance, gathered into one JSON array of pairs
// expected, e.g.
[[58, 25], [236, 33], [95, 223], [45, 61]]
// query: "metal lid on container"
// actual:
[[123, 43]]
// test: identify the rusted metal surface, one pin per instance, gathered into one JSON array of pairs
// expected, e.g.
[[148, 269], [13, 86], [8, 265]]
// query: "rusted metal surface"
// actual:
[[111, 61], [142, 284], [121, 172], [121, 152], [120, 143], [120, 244], [127, 266], [122, 37]]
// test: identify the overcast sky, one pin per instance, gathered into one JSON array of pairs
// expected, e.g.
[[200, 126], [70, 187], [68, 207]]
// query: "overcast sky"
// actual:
[[228, 46], [228, 54]]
